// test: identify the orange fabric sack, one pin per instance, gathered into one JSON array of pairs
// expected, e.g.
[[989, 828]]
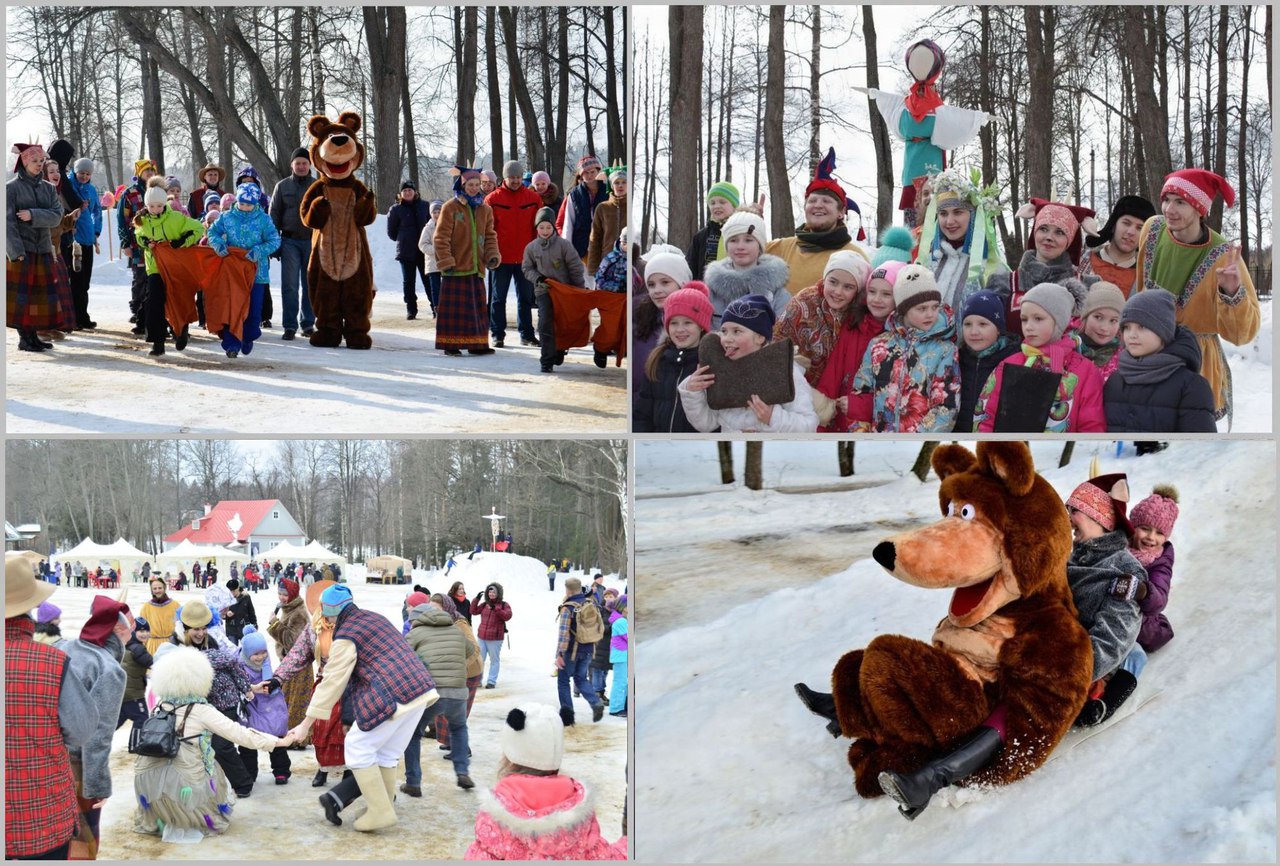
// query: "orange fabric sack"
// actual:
[[226, 281], [573, 308]]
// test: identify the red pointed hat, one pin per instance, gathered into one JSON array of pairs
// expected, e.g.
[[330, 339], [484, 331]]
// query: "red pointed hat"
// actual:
[[824, 181], [1198, 187], [1071, 218]]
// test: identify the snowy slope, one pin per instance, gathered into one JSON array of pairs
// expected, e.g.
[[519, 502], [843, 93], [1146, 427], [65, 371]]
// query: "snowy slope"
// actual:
[[595, 754], [1191, 778], [402, 385]]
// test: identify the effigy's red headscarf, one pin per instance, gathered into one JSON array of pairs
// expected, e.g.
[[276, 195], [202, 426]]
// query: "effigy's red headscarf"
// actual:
[[923, 98]]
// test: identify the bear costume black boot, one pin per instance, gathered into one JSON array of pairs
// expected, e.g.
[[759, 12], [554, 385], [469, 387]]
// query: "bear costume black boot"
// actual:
[[821, 704], [913, 790]]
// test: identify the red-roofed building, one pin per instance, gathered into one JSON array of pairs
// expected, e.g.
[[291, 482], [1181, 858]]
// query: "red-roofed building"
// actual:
[[255, 524]]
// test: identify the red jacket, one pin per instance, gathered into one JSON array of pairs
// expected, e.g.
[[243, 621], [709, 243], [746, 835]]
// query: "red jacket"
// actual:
[[513, 216], [493, 619], [842, 365], [39, 792]]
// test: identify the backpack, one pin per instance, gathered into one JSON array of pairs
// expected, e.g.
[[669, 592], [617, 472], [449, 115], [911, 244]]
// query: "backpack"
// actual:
[[158, 737], [588, 623]]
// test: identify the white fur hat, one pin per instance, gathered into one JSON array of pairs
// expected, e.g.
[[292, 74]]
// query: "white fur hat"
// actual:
[[668, 260], [183, 672], [744, 222], [533, 737], [155, 195]]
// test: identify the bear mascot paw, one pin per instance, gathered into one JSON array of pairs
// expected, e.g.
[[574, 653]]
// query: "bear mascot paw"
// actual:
[[1010, 643], [336, 208]]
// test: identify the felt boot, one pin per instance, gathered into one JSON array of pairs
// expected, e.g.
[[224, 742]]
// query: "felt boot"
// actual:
[[822, 704], [913, 790], [380, 813]]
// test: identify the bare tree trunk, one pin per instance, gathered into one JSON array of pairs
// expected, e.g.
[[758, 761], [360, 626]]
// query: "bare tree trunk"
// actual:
[[317, 66], [880, 132], [616, 140], [152, 116], [815, 89], [725, 452], [1068, 448], [1041, 24], [557, 150], [844, 454], [684, 26], [384, 29], [410, 134], [464, 27], [783, 221], [920, 469], [753, 471], [1152, 124], [586, 76], [1242, 162], [495, 94], [532, 132], [1220, 143], [1188, 155]]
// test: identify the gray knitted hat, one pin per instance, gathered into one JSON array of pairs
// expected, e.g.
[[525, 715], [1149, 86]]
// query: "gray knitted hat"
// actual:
[[513, 168], [1153, 310], [1055, 300]]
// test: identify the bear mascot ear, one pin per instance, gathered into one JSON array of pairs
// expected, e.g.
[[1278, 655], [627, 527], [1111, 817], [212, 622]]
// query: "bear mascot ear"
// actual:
[[951, 460], [1010, 462], [351, 120], [318, 124]]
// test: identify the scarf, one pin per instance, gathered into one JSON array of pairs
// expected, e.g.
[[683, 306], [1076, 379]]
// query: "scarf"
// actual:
[[162, 600], [473, 200], [951, 270], [1099, 353], [1144, 556], [832, 239], [1150, 369]]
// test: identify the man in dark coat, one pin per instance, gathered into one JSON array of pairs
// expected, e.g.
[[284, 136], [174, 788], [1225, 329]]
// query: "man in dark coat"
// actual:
[[241, 612], [295, 244]]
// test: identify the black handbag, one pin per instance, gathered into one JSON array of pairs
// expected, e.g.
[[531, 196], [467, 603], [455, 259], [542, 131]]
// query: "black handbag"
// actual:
[[158, 736]]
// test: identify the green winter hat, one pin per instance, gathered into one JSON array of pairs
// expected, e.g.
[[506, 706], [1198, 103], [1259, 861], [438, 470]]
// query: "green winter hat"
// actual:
[[726, 191], [895, 246]]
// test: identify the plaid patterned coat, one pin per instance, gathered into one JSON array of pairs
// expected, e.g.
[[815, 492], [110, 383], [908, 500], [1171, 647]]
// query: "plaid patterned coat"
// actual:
[[39, 794], [387, 671]]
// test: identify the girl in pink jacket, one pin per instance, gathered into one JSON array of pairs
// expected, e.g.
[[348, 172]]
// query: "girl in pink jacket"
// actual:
[[1076, 405], [534, 813]]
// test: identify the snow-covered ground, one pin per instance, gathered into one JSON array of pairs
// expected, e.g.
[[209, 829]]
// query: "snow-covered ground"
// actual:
[[402, 385], [733, 768], [286, 822]]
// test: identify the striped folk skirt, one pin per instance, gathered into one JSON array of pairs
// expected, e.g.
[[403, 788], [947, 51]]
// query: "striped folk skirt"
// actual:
[[462, 314], [38, 294]]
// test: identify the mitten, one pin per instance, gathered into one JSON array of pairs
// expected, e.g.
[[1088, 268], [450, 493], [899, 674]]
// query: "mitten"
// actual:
[[77, 257], [823, 405], [1126, 587], [492, 264]]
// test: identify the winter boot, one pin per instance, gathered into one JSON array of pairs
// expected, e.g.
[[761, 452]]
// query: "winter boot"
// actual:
[[28, 342], [380, 813], [157, 348], [566, 716], [1118, 690], [822, 704], [338, 798], [320, 780], [180, 342], [913, 790], [597, 711]]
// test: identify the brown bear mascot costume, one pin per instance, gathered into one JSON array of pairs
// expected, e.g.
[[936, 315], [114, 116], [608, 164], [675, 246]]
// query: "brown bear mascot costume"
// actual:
[[1010, 660], [337, 207]]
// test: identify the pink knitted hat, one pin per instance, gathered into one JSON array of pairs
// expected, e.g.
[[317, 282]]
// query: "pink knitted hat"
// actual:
[[692, 300], [1159, 510], [1094, 502]]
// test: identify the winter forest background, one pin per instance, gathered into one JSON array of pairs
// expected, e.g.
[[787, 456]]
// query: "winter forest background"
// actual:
[[1092, 102], [413, 498], [190, 85]]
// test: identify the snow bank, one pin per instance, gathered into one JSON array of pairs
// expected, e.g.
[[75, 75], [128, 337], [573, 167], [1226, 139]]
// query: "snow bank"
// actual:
[[1191, 778], [287, 820]]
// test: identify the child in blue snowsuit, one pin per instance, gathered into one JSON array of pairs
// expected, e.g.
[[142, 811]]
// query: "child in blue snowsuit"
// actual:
[[248, 227]]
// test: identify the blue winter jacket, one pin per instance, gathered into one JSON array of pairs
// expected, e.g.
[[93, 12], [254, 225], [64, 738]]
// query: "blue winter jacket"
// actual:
[[89, 225], [405, 222], [252, 231]]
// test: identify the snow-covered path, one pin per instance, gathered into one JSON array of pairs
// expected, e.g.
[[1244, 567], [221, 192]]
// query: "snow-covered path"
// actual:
[[104, 381], [286, 823], [1191, 778]]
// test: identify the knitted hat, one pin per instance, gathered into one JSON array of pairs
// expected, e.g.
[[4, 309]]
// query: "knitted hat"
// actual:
[[233, 584], [1199, 187], [22, 592], [1126, 205], [302, 153], [249, 172], [851, 263], [247, 193], [745, 223], [1103, 296], [47, 612], [171, 181], [540, 175], [142, 165], [83, 164], [1095, 503], [692, 300], [986, 304], [588, 161], [289, 587], [527, 178], [1153, 310], [140, 624], [895, 246], [1055, 300], [1159, 510], [417, 598], [533, 737], [1068, 217], [887, 271], [408, 184], [545, 215], [914, 285], [155, 195], [334, 599], [512, 168], [753, 312], [252, 642], [489, 175], [227, 200], [726, 191], [668, 260], [196, 614]]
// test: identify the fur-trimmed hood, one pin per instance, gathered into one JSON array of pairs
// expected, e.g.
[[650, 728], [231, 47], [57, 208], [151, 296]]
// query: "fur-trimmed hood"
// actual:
[[511, 806], [182, 674], [768, 277]]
